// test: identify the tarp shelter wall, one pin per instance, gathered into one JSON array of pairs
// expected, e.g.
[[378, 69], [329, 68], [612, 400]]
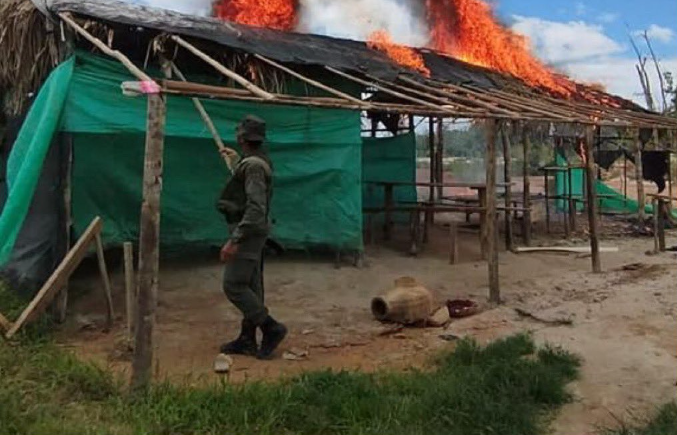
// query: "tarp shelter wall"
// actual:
[[316, 154]]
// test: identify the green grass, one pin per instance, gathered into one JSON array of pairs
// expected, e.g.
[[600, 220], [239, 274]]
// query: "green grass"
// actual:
[[663, 423], [508, 387]]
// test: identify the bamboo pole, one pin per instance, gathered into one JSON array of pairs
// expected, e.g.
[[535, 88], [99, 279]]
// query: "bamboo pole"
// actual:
[[526, 198], [592, 198], [492, 245], [136, 71], [229, 155], [507, 173], [149, 243], [251, 87], [311, 82]]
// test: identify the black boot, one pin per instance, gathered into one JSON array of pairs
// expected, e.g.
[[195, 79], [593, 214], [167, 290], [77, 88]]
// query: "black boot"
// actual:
[[245, 344], [273, 334]]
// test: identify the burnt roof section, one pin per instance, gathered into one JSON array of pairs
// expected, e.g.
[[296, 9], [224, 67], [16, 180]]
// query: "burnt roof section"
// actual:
[[302, 49]]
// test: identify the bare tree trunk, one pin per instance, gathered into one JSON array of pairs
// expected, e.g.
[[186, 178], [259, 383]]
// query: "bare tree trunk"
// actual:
[[658, 70]]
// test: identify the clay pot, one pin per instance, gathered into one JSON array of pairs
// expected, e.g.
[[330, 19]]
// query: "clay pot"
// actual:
[[409, 302]]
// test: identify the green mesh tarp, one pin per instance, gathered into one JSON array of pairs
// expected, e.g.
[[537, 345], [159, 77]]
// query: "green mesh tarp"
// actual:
[[316, 154], [389, 159]]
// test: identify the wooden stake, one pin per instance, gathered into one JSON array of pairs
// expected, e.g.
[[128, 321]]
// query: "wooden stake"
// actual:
[[641, 199], [229, 155], [526, 221], [251, 87], [661, 212], [507, 173], [130, 288], [656, 245], [58, 278], [60, 305], [105, 279], [149, 243], [494, 287], [440, 158], [453, 243], [592, 198]]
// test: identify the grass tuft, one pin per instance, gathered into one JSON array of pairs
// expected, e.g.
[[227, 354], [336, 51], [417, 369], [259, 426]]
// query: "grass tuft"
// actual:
[[664, 422]]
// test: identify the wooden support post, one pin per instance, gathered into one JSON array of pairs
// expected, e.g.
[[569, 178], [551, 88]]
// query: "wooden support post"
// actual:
[[507, 173], [149, 243], [105, 280], [484, 246], [547, 200], [571, 203], [592, 198], [415, 232], [60, 306], [670, 180], [492, 245], [656, 245], [661, 211], [440, 159], [639, 175], [433, 170], [388, 217], [130, 289], [625, 179], [526, 199], [453, 243]]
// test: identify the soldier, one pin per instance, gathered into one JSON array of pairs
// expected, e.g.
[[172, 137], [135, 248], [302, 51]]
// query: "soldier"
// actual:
[[245, 202]]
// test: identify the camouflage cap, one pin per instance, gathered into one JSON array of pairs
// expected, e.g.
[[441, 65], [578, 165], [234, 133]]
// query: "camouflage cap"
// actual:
[[252, 129]]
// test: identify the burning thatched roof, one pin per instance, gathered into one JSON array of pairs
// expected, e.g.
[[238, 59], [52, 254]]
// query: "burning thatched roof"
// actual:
[[304, 51]]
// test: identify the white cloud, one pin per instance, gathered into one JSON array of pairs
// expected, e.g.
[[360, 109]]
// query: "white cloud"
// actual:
[[583, 51], [561, 42], [607, 17], [657, 33]]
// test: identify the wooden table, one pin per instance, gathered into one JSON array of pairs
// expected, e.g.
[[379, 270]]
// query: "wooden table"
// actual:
[[431, 208]]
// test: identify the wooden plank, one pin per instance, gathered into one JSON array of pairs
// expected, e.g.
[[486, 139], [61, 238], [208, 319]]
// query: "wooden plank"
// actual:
[[526, 193], [58, 279], [103, 271], [490, 218], [130, 288], [507, 175], [564, 249], [251, 87], [592, 199], [149, 243]]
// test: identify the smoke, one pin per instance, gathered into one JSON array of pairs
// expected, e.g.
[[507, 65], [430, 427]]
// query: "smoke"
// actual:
[[192, 7], [357, 19]]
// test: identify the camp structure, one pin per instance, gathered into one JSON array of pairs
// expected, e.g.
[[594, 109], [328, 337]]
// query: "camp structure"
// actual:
[[113, 110]]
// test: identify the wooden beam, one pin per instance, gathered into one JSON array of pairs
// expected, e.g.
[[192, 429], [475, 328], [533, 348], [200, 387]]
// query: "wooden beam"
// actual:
[[526, 195], [136, 71], [592, 198], [383, 89], [492, 245], [130, 289], [639, 175], [314, 83], [229, 155], [149, 243], [251, 87], [507, 175], [105, 279], [58, 279]]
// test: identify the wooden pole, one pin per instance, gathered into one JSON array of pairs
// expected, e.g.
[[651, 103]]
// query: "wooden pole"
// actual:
[[61, 302], [661, 212], [251, 87], [592, 198], [507, 175], [105, 279], [229, 155], [526, 199], [494, 287], [656, 245], [641, 200], [149, 243], [453, 243], [547, 200], [433, 170], [440, 159], [130, 289]]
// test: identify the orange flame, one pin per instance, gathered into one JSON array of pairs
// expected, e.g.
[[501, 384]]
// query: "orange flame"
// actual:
[[274, 14], [468, 30], [380, 40]]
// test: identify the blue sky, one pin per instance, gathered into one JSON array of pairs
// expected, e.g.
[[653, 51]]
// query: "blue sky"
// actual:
[[589, 38]]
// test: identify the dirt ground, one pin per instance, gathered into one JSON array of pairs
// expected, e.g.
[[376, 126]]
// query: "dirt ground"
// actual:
[[623, 321]]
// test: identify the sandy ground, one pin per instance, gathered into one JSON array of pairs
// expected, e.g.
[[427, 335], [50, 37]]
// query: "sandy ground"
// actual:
[[624, 321]]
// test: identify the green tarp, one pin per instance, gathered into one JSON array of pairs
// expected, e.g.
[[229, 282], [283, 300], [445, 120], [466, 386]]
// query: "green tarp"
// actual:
[[316, 154]]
